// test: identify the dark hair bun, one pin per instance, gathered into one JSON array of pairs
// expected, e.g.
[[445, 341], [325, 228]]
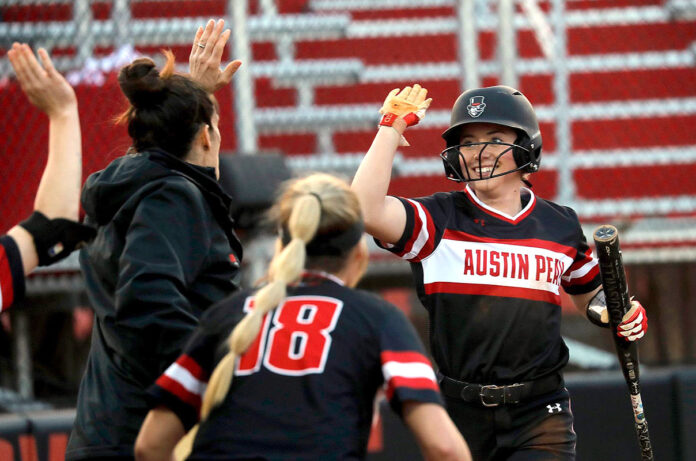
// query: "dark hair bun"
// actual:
[[141, 83]]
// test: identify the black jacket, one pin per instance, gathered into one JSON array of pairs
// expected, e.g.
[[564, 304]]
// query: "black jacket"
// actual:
[[165, 251]]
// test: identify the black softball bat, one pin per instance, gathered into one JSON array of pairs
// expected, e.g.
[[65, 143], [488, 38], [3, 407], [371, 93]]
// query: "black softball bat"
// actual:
[[618, 303]]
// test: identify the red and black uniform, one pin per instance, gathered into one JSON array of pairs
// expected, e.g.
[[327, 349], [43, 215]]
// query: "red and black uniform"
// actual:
[[11, 273], [491, 284], [305, 389]]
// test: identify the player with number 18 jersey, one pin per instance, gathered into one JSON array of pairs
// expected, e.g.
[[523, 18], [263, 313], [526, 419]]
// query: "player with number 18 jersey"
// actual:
[[305, 388]]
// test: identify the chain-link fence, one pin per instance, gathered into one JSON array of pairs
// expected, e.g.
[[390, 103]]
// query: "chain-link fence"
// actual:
[[612, 82]]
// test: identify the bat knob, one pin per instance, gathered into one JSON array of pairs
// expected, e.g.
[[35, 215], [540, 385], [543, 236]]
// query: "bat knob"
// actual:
[[605, 233]]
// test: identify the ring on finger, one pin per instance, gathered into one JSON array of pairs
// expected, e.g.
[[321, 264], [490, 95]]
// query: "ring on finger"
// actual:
[[201, 45]]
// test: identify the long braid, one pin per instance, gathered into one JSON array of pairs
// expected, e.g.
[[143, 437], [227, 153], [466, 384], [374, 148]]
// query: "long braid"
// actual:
[[285, 268]]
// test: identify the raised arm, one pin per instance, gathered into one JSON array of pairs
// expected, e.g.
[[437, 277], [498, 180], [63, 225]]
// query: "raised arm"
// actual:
[[51, 233], [438, 437], [206, 57], [385, 217]]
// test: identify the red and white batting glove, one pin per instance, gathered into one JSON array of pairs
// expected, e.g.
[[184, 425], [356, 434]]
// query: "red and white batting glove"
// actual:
[[408, 104], [634, 323]]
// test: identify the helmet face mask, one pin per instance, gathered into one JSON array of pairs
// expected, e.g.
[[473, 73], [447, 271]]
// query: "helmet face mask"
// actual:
[[499, 105], [453, 158]]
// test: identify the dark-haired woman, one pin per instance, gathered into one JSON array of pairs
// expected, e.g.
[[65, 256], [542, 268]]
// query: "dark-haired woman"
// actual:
[[165, 250]]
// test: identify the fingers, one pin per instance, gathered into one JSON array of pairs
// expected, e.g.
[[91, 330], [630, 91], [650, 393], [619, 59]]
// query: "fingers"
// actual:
[[425, 104], [24, 62], [219, 45], [415, 91], [415, 94], [207, 32], [36, 74], [634, 323], [196, 41], [391, 94], [230, 70], [211, 39], [633, 313], [420, 96], [47, 63], [404, 93]]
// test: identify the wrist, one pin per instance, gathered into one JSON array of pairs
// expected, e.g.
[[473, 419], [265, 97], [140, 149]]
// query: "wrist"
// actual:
[[67, 112], [400, 125]]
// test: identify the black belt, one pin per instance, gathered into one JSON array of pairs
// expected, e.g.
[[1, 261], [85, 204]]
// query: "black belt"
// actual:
[[491, 395]]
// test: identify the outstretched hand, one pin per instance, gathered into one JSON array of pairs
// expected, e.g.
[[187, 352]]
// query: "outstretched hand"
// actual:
[[206, 57], [403, 102], [44, 86], [408, 105]]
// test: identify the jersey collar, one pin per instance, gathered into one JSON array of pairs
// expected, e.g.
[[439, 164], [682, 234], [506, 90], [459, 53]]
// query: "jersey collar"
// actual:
[[312, 277], [524, 212]]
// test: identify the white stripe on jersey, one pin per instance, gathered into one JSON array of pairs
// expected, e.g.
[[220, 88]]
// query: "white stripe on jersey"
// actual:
[[423, 234], [580, 273], [392, 369], [448, 264], [184, 377]]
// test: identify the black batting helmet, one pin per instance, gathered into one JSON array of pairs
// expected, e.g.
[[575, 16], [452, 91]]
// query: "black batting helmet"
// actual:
[[501, 105]]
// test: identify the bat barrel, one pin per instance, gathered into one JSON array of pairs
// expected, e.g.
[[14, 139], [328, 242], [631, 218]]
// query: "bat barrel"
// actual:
[[611, 267], [618, 301]]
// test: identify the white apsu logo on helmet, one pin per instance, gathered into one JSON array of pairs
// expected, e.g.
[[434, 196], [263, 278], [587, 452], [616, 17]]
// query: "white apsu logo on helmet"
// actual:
[[476, 106]]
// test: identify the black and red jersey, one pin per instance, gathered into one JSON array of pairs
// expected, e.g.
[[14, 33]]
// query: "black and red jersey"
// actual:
[[491, 282], [11, 273], [306, 387]]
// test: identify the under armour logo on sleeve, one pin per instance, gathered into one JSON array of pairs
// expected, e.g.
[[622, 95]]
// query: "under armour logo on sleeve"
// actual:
[[556, 407]]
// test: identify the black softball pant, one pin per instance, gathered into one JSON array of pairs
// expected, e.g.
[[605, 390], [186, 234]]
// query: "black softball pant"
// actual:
[[539, 429]]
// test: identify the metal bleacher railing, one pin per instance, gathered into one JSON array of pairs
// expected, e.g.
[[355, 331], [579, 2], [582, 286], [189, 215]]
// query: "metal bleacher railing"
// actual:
[[330, 20], [659, 228]]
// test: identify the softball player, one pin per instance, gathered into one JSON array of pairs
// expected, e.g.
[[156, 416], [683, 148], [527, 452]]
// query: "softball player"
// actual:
[[52, 232], [489, 261], [307, 359]]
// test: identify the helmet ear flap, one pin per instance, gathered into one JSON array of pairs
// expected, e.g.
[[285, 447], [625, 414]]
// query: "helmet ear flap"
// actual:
[[450, 160], [526, 153]]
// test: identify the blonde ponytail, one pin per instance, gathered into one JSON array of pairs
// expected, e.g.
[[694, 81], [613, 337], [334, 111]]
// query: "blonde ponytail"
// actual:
[[286, 267]]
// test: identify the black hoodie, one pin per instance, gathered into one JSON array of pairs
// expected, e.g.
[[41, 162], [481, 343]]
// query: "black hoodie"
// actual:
[[164, 252]]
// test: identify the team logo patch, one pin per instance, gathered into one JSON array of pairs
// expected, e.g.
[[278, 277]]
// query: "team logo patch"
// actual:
[[476, 106]]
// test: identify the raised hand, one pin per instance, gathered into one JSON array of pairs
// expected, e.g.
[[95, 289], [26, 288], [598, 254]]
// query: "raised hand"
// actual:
[[44, 86], [206, 57], [409, 104]]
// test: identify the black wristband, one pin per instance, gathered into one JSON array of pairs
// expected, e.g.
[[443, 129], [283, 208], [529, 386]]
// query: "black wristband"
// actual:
[[55, 239]]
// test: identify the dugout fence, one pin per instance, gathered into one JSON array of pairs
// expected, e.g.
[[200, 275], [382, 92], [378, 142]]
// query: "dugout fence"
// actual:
[[612, 82]]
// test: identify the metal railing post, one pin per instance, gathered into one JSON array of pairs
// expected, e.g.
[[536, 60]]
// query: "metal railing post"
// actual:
[[507, 43], [467, 36], [566, 185], [243, 83], [84, 39]]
